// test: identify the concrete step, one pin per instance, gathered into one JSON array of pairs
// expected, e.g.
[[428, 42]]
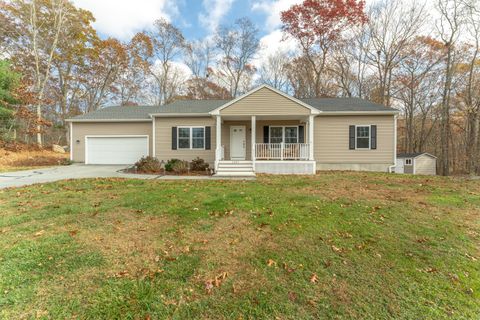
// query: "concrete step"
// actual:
[[235, 170], [234, 174]]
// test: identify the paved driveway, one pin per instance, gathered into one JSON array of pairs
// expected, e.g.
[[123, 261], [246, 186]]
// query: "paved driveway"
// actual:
[[75, 171]]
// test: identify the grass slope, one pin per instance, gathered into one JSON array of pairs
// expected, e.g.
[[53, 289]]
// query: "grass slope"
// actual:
[[335, 245]]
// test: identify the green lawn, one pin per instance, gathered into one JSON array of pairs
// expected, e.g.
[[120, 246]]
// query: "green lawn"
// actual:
[[335, 245]]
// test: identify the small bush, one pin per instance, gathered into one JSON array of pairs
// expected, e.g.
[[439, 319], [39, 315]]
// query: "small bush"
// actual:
[[148, 165], [198, 164], [170, 163], [180, 167]]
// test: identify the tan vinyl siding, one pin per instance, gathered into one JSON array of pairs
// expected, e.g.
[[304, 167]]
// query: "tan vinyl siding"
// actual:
[[265, 102], [82, 129], [424, 164], [163, 139], [331, 138]]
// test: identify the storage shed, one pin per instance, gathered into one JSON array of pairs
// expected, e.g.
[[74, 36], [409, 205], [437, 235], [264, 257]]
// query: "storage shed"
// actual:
[[416, 163]]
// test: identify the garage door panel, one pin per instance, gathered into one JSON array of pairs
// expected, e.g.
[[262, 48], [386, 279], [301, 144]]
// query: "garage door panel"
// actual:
[[116, 150]]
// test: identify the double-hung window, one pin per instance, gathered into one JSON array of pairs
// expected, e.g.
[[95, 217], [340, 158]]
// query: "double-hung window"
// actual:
[[362, 138], [191, 137], [284, 134]]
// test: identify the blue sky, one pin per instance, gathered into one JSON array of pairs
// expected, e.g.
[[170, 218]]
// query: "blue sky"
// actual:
[[196, 18]]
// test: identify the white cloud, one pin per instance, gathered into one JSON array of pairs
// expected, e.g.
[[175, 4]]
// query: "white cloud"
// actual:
[[273, 9], [216, 10], [123, 18], [273, 43]]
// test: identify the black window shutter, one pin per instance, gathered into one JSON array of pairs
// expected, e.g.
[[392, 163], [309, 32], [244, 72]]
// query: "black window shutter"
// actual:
[[373, 137], [301, 134], [266, 134], [351, 137], [208, 135], [174, 138]]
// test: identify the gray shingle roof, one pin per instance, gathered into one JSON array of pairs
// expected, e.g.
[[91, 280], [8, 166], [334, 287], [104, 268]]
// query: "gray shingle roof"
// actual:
[[205, 106], [345, 104]]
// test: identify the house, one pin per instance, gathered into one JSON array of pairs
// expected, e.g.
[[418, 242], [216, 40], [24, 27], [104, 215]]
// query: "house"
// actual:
[[416, 163], [263, 131]]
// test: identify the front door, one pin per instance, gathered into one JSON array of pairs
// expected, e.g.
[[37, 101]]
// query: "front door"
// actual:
[[238, 142]]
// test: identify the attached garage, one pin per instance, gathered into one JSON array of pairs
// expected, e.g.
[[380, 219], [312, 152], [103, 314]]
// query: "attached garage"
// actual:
[[416, 163], [115, 149]]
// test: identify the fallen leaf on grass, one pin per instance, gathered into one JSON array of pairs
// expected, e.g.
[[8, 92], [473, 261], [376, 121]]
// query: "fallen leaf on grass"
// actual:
[[314, 278], [470, 257], [336, 249], [271, 263], [292, 296], [39, 233], [73, 232]]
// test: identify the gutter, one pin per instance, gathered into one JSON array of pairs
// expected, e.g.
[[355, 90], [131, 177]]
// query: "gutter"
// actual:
[[354, 113], [108, 120], [172, 115]]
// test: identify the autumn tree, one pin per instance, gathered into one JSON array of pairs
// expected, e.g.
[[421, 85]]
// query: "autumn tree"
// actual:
[[318, 26], [416, 83], [131, 85], [103, 64], [39, 27], [237, 45]]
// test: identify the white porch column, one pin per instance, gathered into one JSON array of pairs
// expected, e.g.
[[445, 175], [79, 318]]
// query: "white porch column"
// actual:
[[253, 138], [311, 121], [218, 139]]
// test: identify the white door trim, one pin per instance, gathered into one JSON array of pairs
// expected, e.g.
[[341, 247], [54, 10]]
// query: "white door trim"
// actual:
[[116, 136], [244, 142]]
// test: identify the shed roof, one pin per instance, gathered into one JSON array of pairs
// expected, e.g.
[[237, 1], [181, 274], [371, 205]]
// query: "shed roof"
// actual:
[[414, 155]]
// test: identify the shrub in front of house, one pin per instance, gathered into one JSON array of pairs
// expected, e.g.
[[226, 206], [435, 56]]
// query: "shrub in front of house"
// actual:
[[181, 167], [198, 164], [170, 163], [148, 165]]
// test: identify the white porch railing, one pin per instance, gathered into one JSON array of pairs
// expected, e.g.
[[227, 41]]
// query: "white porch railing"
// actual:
[[282, 151]]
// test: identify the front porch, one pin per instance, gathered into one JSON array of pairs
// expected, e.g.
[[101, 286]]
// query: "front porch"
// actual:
[[264, 144]]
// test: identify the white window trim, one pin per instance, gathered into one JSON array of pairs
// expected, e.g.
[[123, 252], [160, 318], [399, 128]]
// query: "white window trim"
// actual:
[[191, 138], [409, 164], [369, 137], [283, 133]]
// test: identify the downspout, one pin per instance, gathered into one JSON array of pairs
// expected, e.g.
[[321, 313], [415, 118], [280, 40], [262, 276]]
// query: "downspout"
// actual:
[[71, 141], [392, 167]]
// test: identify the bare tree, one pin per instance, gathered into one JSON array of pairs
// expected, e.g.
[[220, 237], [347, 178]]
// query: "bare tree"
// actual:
[[448, 25], [237, 45], [168, 44], [391, 26], [471, 93], [274, 71]]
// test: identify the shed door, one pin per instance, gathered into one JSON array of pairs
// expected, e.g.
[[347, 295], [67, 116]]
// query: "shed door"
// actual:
[[400, 167], [115, 149]]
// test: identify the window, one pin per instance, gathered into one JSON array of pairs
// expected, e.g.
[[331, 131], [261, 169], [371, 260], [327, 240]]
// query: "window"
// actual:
[[408, 162], [362, 137], [191, 138], [284, 134]]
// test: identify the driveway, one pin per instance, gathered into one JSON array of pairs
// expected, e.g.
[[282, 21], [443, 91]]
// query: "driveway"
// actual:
[[74, 171]]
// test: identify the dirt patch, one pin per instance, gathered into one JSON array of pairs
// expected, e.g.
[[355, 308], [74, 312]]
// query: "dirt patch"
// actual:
[[130, 241], [227, 249]]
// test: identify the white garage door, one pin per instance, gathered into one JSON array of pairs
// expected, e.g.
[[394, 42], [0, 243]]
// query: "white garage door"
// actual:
[[115, 150]]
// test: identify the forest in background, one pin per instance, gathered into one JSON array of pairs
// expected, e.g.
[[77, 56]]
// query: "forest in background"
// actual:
[[399, 53]]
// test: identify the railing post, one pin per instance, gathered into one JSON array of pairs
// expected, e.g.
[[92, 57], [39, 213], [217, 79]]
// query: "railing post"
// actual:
[[254, 138], [218, 139], [281, 150], [311, 121]]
